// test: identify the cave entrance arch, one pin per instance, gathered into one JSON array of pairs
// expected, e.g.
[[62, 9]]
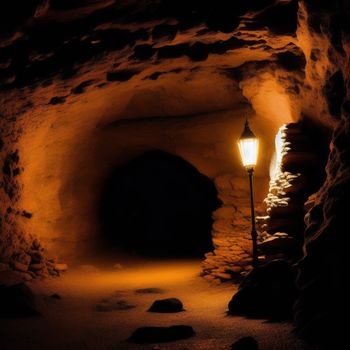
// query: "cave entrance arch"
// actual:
[[159, 205]]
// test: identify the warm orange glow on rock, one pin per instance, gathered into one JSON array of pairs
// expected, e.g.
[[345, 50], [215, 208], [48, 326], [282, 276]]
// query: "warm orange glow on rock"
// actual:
[[88, 88]]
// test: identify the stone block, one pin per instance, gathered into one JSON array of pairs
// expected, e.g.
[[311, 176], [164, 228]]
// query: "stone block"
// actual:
[[20, 267], [61, 267]]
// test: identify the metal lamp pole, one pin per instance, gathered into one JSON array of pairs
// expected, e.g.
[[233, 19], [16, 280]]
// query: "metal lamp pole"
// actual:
[[253, 232]]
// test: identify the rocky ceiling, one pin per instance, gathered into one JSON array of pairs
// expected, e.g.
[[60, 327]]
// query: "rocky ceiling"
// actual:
[[57, 50]]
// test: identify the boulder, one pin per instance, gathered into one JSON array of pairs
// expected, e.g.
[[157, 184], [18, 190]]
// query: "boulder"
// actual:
[[222, 275], [161, 334], [17, 300], [277, 244], [25, 276], [236, 269], [245, 343], [37, 267], [268, 291], [168, 305], [20, 266], [61, 267], [24, 258]]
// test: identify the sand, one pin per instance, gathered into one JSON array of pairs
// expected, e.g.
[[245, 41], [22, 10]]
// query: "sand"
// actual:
[[74, 322]]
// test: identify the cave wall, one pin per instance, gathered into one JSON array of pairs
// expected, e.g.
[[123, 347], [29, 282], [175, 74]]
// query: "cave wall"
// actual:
[[105, 81], [175, 79], [322, 310], [231, 258], [65, 157]]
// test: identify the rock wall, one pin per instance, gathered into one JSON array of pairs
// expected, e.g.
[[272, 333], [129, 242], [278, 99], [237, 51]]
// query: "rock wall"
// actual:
[[70, 93], [20, 251], [322, 311], [232, 256], [64, 160], [301, 153], [89, 85]]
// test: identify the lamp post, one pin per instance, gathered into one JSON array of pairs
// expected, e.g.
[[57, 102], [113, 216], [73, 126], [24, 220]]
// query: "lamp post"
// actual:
[[248, 147]]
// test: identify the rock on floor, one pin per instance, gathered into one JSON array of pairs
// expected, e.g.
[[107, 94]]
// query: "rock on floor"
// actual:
[[167, 305], [17, 301], [245, 343], [267, 292], [161, 334]]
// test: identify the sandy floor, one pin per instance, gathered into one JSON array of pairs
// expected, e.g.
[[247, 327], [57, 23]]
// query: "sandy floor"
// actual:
[[74, 323]]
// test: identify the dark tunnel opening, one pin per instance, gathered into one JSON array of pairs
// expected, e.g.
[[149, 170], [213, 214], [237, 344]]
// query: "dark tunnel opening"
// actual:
[[158, 205]]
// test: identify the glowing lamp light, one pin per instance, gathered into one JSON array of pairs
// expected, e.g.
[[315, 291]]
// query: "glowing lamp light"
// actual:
[[248, 147]]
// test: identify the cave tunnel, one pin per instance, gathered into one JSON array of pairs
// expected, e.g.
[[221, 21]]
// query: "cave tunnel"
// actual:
[[158, 204], [121, 183]]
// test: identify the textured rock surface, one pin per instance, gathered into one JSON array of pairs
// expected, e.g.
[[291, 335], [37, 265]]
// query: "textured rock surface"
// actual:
[[301, 153], [117, 79], [90, 78], [17, 300], [266, 292], [168, 305], [320, 313], [245, 343], [324, 270], [232, 256]]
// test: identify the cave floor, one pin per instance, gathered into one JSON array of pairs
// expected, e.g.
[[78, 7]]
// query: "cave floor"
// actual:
[[81, 319]]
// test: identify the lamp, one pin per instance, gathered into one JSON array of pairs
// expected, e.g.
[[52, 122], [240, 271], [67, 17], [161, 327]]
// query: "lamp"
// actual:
[[248, 147]]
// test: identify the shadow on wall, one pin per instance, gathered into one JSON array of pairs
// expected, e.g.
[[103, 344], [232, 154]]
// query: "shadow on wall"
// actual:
[[158, 205]]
